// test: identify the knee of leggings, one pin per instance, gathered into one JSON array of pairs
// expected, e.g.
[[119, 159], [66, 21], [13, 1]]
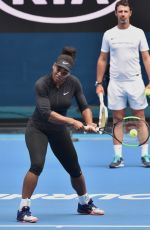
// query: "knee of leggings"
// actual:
[[76, 174], [36, 169]]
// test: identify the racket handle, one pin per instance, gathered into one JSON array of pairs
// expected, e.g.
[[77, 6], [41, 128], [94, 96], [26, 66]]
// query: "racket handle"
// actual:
[[97, 129], [85, 128], [101, 98]]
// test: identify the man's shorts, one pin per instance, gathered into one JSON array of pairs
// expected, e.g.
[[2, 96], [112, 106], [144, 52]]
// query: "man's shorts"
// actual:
[[126, 93]]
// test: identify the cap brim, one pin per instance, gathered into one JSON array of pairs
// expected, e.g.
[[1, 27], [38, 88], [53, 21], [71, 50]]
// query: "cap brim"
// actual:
[[63, 66]]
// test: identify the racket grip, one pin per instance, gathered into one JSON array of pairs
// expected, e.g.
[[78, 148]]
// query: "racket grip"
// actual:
[[86, 129], [101, 98]]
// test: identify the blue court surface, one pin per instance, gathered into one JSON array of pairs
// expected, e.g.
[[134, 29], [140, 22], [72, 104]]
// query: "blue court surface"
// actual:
[[123, 193]]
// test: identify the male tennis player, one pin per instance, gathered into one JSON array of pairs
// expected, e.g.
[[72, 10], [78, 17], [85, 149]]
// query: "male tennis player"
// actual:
[[123, 43]]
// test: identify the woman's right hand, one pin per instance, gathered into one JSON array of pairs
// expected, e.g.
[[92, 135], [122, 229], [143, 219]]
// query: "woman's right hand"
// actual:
[[78, 125]]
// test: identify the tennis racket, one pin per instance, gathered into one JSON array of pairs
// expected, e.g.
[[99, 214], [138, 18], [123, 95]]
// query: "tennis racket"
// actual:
[[103, 112], [121, 131]]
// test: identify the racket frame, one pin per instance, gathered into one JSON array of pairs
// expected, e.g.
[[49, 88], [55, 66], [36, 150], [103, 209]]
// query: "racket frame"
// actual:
[[101, 130], [102, 109]]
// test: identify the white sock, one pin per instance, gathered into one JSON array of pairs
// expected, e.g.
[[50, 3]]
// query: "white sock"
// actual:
[[24, 202], [118, 150], [84, 199], [144, 150]]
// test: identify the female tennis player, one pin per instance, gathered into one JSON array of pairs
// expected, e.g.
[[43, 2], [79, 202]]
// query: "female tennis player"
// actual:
[[54, 94], [123, 43]]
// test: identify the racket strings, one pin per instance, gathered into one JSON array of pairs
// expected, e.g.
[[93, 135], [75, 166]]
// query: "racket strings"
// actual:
[[103, 119], [122, 133]]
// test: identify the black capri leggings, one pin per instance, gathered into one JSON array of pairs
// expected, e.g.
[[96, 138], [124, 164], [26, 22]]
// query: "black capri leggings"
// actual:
[[61, 145]]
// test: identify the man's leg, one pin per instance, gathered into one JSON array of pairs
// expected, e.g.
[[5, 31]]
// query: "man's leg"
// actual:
[[117, 162]]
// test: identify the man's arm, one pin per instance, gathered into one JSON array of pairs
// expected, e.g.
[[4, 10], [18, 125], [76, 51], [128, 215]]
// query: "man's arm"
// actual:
[[146, 61], [101, 67]]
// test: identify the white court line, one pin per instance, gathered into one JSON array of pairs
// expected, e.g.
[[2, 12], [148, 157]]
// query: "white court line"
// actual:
[[74, 226]]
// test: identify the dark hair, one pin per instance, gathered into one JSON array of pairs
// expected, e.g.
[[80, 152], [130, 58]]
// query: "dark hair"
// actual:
[[123, 3], [66, 58], [69, 51]]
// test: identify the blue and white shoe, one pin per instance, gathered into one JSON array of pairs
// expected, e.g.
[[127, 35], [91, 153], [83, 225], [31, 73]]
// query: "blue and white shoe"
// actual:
[[89, 209], [117, 162], [146, 161], [25, 215]]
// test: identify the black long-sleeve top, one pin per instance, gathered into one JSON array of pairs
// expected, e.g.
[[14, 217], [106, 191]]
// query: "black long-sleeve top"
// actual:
[[50, 98]]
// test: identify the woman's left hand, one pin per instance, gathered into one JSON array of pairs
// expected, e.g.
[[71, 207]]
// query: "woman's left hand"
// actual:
[[91, 127]]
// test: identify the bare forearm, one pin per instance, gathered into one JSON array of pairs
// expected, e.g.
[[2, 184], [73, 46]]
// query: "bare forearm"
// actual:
[[147, 67], [101, 67], [146, 61]]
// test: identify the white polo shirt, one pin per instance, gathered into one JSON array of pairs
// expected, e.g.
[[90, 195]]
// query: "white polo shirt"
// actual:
[[124, 46]]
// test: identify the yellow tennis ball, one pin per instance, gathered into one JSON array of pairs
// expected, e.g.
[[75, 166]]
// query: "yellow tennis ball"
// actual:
[[133, 133], [147, 92]]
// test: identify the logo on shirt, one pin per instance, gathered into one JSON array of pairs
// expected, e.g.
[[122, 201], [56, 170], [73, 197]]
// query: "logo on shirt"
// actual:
[[65, 63], [58, 11], [65, 93]]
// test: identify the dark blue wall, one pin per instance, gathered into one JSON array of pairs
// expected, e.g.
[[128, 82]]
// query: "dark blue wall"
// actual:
[[24, 57]]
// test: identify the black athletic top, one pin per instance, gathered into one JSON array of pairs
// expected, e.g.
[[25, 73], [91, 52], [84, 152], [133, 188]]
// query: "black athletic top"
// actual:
[[50, 98]]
